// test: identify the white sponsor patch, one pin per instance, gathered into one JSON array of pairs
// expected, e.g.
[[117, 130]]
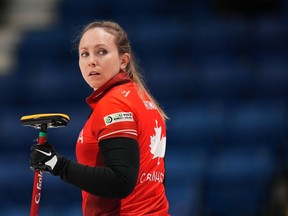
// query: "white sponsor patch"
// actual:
[[118, 117]]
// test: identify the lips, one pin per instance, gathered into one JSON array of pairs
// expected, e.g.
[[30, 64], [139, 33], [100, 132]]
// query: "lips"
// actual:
[[94, 73]]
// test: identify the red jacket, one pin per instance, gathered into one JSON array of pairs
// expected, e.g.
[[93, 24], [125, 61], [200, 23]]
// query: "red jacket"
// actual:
[[118, 111]]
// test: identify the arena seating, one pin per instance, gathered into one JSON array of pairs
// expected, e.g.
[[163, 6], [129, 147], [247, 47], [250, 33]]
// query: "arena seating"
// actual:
[[223, 83]]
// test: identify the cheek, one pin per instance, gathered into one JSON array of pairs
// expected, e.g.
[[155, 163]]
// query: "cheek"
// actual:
[[81, 69], [115, 67], [81, 64]]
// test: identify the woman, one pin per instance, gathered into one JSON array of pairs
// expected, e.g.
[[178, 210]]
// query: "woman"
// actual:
[[120, 150]]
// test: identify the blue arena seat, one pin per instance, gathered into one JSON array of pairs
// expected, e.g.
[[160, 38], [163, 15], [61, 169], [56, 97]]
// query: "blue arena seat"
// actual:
[[224, 77], [237, 181], [195, 125], [185, 170], [256, 121], [272, 77]]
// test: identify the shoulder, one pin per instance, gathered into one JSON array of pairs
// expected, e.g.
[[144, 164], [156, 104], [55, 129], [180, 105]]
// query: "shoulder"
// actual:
[[117, 100], [125, 94]]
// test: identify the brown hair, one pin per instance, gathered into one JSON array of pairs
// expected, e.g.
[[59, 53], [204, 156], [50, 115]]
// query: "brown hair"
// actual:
[[123, 44]]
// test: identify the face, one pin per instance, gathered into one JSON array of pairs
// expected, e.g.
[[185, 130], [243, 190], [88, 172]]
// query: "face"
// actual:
[[99, 59]]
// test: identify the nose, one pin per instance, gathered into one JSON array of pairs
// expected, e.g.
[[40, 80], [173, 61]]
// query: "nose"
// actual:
[[92, 61]]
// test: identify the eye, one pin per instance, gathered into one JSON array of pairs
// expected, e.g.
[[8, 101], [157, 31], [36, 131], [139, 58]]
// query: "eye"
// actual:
[[102, 52], [84, 54]]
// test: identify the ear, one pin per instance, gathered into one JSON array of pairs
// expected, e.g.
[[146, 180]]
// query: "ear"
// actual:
[[125, 58]]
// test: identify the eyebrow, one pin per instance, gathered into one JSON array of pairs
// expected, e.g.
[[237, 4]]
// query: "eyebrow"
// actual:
[[96, 46]]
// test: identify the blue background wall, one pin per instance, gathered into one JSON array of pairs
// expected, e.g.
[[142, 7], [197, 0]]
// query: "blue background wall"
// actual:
[[221, 73]]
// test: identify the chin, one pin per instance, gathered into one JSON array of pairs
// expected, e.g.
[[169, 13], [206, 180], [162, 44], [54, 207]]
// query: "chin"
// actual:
[[95, 86]]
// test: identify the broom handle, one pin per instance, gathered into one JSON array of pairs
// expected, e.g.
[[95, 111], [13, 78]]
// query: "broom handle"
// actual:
[[38, 175]]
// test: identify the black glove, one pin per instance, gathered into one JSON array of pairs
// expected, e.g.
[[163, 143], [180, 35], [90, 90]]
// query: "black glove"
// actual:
[[44, 157]]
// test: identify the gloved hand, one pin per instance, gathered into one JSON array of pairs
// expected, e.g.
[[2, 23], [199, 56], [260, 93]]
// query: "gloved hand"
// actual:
[[44, 157]]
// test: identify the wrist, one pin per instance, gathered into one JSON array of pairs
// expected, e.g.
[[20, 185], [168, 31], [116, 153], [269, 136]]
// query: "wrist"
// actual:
[[60, 165]]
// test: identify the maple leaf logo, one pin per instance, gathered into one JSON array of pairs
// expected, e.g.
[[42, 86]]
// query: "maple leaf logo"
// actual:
[[158, 143]]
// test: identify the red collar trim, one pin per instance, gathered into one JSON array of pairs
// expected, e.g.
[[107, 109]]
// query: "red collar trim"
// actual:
[[118, 79]]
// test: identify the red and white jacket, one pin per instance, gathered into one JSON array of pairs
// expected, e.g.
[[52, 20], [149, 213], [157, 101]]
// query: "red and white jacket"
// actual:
[[119, 111]]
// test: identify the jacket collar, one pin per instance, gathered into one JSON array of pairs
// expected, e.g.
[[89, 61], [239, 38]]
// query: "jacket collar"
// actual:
[[118, 79]]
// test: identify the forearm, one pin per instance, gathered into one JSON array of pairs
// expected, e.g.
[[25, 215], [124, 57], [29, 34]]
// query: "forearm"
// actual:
[[116, 179]]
